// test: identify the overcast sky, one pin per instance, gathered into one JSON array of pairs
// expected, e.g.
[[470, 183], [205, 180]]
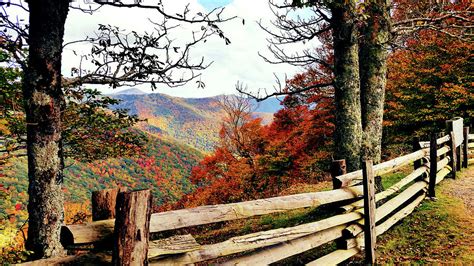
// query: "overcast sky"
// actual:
[[238, 61]]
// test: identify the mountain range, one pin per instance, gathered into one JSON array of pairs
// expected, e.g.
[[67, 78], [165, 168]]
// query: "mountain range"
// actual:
[[182, 131], [191, 121]]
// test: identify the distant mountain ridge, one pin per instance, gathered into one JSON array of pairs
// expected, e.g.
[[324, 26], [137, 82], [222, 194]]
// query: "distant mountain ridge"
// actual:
[[192, 121], [131, 91]]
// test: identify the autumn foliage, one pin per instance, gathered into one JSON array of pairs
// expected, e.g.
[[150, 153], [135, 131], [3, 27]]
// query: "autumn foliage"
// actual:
[[256, 161], [429, 82]]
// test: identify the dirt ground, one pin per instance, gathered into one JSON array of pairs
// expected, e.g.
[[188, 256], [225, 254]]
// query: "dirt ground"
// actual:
[[463, 188]]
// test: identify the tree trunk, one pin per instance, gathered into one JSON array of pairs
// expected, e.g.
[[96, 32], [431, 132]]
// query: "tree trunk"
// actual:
[[373, 70], [348, 134], [43, 101]]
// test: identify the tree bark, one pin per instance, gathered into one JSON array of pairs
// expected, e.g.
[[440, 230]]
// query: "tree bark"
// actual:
[[373, 69], [43, 101], [103, 203], [132, 228], [348, 134]]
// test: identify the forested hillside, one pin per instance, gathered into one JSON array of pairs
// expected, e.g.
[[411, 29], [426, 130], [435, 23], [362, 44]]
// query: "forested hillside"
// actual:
[[162, 166], [191, 121]]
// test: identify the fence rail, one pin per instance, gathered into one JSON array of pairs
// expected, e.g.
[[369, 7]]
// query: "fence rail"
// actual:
[[432, 162]]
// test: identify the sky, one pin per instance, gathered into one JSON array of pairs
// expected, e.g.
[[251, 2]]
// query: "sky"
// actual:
[[236, 62]]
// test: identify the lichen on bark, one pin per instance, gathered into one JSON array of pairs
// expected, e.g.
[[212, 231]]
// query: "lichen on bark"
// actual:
[[46, 156], [373, 70], [43, 102], [348, 134], [41, 98]]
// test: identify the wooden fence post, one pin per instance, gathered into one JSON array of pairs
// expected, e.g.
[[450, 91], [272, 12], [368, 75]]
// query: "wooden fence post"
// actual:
[[132, 228], [415, 147], [369, 211], [433, 165], [338, 167], [440, 135], [452, 154], [103, 203], [465, 147]]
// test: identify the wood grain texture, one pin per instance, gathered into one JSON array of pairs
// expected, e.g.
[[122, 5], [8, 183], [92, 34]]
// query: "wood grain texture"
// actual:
[[132, 228], [423, 170], [335, 257], [96, 231], [256, 240], [369, 211], [383, 168], [287, 249]]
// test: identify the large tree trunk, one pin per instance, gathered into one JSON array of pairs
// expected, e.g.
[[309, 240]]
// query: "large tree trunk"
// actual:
[[373, 69], [348, 134], [43, 101]]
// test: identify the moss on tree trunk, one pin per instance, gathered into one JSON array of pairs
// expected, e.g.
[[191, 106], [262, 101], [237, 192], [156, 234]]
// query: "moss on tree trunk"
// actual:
[[373, 76], [348, 134], [43, 101]]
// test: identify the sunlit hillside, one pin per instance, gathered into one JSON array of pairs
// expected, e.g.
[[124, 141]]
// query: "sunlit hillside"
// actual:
[[162, 166], [191, 121]]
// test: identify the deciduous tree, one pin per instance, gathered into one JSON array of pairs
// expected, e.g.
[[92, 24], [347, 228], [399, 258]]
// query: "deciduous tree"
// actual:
[[117, 62]]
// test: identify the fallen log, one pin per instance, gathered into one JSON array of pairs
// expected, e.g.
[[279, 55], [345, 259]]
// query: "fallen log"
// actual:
[[96, 231]]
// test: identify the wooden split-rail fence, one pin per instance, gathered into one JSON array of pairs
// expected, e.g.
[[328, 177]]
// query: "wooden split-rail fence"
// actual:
[[354, 229]]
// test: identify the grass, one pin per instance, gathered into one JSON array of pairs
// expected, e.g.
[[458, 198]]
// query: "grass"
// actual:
[[389, 180], [437, 231]]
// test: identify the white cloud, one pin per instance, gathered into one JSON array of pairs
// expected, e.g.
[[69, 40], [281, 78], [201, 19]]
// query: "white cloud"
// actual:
[[238, 61]]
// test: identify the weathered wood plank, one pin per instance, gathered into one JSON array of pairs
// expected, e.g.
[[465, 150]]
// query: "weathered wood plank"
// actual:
[[443, 150], [95, 231], [387, 224], [391, 190], [258, 240], [470, 145], [369, 211], [433, 165], [385, 167], [443, 140], [388, 207], [443, 163], [465, 149], [452, 154], [471, 136], [335, 257], [287, 249], [172, 245], [455, 125], [358, 239]]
